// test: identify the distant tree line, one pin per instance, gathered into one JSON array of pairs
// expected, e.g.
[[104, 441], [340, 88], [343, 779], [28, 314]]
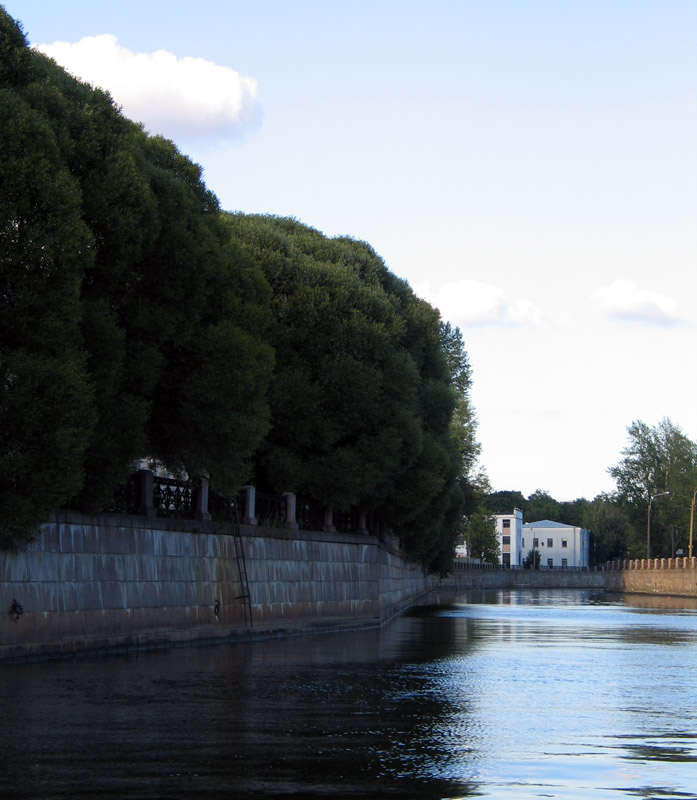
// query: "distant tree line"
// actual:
[[658, 468], [139, 320]]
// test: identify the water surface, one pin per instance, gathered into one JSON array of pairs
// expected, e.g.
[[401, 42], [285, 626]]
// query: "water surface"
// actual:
[[518, 694]]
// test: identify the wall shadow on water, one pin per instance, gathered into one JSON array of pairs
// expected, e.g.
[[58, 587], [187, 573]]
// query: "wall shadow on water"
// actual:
[[352, 714]]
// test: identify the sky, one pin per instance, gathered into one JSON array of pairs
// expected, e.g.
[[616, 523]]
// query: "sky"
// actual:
[[528, 166]]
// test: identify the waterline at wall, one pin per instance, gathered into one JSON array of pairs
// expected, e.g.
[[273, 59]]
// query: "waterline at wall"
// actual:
[[91, 583]]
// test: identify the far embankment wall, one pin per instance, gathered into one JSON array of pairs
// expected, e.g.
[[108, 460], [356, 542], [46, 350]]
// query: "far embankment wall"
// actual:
[[668, 577], [522, 579], [114, 581], [676, 577]]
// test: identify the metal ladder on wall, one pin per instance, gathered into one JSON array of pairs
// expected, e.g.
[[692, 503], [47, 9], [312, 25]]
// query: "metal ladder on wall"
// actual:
[[241, 564]]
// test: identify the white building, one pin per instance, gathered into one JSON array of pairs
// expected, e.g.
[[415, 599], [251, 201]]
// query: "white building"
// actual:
[[509, 528], [559, 545]]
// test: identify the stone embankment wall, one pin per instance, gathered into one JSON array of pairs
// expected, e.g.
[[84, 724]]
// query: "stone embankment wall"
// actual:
[[662, 576], [463, 578], [96, 583], [669, 577]]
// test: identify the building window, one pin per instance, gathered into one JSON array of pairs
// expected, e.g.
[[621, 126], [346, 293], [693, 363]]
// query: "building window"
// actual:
[[565, 562], [550, 562], [550, 542], [523, 545], [507, 523], [535, 542], [564, 542], [505, 539]]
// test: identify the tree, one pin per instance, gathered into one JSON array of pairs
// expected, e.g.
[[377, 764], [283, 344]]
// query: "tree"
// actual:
[[131, 325], [481, 537], [504, 502], [532, 559], [541, 505], [365, 389], [46, 414], [138, 321], [657, 459], [607, 522], [574, 512]]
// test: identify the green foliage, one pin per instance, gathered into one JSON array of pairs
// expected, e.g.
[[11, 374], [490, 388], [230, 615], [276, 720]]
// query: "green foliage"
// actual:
[[541, 505], [532, 559], [656, 460], [608, 524], [504, 502], [365, 391], [481, 537], [46, 415], [138, 325], [138, 321]]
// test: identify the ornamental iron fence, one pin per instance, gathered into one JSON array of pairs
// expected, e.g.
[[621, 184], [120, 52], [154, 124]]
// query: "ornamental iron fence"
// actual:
[[126, 498], [173, 498], [225, 509], [308, 514], [270, 510], [146, 494]]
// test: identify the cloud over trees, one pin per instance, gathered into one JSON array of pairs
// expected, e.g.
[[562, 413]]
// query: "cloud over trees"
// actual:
[[181, 98], [474, 303]]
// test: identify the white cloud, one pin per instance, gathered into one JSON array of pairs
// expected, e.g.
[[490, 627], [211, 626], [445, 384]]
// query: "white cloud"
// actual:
[[473, 303], [188, 98], [624, 300]]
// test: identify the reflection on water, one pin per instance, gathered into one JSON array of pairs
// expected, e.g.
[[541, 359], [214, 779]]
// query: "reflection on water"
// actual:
[[505, 694]]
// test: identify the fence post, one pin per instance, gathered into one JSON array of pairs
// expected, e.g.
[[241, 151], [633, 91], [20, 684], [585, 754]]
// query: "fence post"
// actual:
[[250, 495], [362, 521], [201, 511], [146, 507], [290, 511], [328, 526]]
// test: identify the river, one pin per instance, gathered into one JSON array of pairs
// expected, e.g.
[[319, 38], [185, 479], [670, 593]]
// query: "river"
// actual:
[[507, 694]]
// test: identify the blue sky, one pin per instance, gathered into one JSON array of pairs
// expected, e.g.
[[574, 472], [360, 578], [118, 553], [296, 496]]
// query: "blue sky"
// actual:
[[529, 167]]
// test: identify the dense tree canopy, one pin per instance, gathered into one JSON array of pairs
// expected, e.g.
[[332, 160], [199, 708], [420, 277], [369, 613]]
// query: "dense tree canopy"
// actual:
[[369, 399], [131, 324], [138, 320], [46, 408]]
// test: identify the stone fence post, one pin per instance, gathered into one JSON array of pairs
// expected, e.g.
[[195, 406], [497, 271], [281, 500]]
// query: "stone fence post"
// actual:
[[146, 507], [250, 495], [328, 526], [362, 521], [291, 504], [201, 511]]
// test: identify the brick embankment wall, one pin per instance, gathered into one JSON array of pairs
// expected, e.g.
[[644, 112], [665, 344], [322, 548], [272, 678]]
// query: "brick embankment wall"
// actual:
[[96, 583], [675, 577]]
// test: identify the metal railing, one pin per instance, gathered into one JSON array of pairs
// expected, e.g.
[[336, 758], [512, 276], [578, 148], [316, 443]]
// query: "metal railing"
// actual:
[[308, 514], [173, 498], [463, 564], [149, 495], [270, 509]]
